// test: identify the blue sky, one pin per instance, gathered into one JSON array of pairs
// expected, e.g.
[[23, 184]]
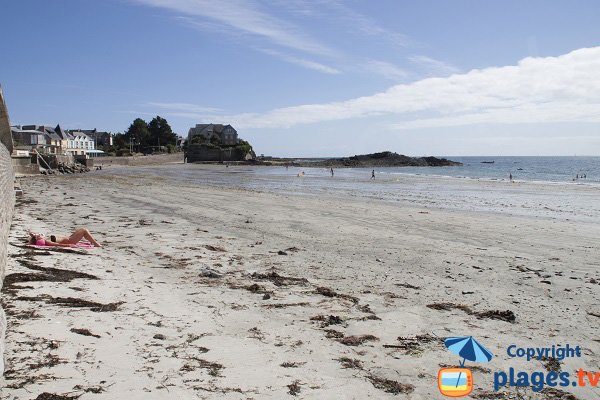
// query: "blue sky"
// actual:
[[316, 78]]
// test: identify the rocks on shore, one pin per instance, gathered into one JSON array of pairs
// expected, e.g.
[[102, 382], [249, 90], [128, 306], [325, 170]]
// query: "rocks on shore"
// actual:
[[382, 159], [64, 168]]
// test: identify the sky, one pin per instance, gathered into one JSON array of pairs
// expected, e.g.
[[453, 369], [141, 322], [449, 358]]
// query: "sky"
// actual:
[[315, 78]]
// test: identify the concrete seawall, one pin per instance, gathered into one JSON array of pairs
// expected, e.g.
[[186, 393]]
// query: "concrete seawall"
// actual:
[[7, 202], [140, 160]]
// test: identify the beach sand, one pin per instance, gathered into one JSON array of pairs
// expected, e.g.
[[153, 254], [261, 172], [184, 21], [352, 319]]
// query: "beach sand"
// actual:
[[226, 293]]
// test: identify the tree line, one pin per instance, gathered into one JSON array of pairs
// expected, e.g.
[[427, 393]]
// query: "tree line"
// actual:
[[142, 137]]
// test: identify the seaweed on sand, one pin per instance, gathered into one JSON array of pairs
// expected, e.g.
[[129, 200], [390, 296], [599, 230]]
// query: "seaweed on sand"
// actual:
[[352, 363], [449, 307], [214, 369], [507, 315], [333, 334], [53, 396], [357, 340], [390, 386], [414, 345], [327, 320], [84, 332], [288, 364], [328, 292], [47, 274], [49, 361], [73, 302], [285, 305], [294, 388], [279, 280]]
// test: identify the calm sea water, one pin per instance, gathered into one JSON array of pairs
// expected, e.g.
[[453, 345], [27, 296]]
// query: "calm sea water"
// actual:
[[542, 169]]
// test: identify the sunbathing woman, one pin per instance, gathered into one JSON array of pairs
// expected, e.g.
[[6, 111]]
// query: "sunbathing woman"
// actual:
[[63, 241]]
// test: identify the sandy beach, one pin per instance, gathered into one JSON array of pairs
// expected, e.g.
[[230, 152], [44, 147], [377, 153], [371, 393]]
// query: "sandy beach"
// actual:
[[223, 291]]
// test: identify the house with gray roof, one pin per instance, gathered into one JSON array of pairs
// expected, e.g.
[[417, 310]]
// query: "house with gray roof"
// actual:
[[39, 137], [226, 134]]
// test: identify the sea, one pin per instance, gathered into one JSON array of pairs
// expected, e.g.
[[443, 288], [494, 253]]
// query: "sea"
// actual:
[[539, 169], [566, 188]]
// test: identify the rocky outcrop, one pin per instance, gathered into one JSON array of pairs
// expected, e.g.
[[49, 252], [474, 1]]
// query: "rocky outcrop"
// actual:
[[382, 159]]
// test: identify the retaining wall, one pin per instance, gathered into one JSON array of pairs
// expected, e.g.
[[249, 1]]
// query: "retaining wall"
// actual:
[[199, 153], [23, 165], [154, 159], [7, 203]]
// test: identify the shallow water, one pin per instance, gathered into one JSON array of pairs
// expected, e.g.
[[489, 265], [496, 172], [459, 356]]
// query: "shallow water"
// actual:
[[567, 200]]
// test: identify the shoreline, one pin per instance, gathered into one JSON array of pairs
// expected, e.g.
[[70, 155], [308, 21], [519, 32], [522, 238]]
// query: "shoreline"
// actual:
[[525, 198], [193, 265]]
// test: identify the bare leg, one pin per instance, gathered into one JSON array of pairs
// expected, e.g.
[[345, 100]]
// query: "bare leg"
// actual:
[[82, 233]]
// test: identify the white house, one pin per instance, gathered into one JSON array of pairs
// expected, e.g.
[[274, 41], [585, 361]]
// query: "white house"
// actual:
[[78, 143]]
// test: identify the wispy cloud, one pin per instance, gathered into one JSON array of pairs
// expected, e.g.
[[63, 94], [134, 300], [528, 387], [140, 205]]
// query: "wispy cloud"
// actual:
[[183, 107], [434, 67], [245, 17], [387, 70], [337, 12], [367, 25], [302, 62], [551, 89]]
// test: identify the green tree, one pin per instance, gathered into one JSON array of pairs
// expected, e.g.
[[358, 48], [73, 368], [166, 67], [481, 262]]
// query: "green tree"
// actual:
[[198, 139], [216, 140], [161, 133], [119, 141], [139, 133], [244, 146]]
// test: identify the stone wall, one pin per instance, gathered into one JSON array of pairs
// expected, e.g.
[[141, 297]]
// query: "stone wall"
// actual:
[[199, 153], [23, 165], [155, 159], [7, 202]]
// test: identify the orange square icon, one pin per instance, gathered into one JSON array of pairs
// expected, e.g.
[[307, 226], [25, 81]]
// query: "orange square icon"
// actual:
[[455, 382]]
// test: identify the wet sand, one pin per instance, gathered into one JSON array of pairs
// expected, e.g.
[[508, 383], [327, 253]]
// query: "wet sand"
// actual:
[[234, 293]]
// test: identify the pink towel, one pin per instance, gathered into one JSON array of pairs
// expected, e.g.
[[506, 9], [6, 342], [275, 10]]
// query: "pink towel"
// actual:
[[80, 245]]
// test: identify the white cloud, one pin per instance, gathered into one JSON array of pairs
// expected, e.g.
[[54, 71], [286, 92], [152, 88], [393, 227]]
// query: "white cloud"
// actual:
[[312, 65], [315, 66], [353, 20], [373, 28], [243, 16], [387, 70], [564, 88], [434, 67]]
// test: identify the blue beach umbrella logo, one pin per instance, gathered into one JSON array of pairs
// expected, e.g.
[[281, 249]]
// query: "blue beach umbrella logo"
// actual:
[[458, 382], [468, 348]]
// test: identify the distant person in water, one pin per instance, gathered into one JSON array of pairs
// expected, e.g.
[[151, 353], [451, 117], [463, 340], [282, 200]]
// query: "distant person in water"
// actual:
[[510, 176], [331, 171], [373, 174], [63, 241]]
